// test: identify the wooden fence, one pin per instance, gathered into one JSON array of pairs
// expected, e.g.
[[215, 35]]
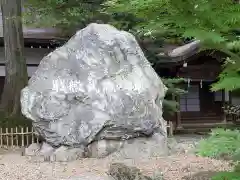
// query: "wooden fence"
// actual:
[[17, 137], [24, 136]]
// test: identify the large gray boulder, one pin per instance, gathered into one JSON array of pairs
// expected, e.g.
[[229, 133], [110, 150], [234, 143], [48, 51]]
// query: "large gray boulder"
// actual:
[[98, 86]]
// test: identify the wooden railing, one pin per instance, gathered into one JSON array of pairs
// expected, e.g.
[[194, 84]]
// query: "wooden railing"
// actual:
[[17, 137]]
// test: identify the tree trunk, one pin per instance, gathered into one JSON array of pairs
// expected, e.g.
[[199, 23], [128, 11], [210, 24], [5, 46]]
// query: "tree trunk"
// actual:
[[15, 63]]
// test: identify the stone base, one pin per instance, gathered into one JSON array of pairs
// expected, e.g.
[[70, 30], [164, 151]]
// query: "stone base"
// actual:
[[143, 148], [61, 154], [154, 146]]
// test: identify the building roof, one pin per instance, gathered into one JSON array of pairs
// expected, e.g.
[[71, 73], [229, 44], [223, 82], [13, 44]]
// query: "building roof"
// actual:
[[40, 36], [174, 55], [42, 33], [170, 53]]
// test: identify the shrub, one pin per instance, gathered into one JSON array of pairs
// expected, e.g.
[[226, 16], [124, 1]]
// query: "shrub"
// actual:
[[237, 167], [220, 144], [227, 176], [236, 156]]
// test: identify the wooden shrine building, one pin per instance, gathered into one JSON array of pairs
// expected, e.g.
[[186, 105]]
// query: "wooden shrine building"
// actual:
[[199, 107]]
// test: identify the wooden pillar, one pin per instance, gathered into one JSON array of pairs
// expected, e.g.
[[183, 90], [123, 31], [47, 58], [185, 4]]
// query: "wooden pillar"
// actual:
[[230, 97], [178, 116], [231, 117], [171, 128], [224, 118]]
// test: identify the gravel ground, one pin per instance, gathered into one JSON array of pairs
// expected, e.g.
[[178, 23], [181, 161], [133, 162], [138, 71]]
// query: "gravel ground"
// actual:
[[174, 167]]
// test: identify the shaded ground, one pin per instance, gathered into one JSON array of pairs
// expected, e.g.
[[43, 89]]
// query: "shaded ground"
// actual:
[[182, 162]]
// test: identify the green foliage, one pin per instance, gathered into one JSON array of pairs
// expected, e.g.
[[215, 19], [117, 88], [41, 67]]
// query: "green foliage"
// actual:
[[202, 19], [62, 13], [227, 176], [230, 76], [237, 167], [214, 22], [223, 144], [236, 155], [220, 144], [170, 105]]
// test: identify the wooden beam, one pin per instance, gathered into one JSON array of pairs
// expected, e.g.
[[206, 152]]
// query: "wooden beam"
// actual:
[[202, 125]]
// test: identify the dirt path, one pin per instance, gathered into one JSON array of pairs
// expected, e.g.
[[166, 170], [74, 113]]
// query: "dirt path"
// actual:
[[174, 167]]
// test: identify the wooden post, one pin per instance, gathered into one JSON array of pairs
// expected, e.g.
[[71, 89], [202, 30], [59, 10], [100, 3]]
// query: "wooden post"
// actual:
[[178, 116], [230, 97], [22, 136], [17, 136], [170, 121], [1, 136], [170, 128], [27, 138], [224, 118], [6, 134], [12, 137], [233, 118], [32, 133]]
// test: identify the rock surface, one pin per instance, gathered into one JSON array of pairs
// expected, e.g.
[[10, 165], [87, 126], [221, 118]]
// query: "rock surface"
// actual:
[[120, 171], [143, 147], [48, 153], [98, 86], [32, 150]]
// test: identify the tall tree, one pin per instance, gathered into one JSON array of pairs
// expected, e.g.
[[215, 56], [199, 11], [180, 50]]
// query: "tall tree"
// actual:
[[15, 64]]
